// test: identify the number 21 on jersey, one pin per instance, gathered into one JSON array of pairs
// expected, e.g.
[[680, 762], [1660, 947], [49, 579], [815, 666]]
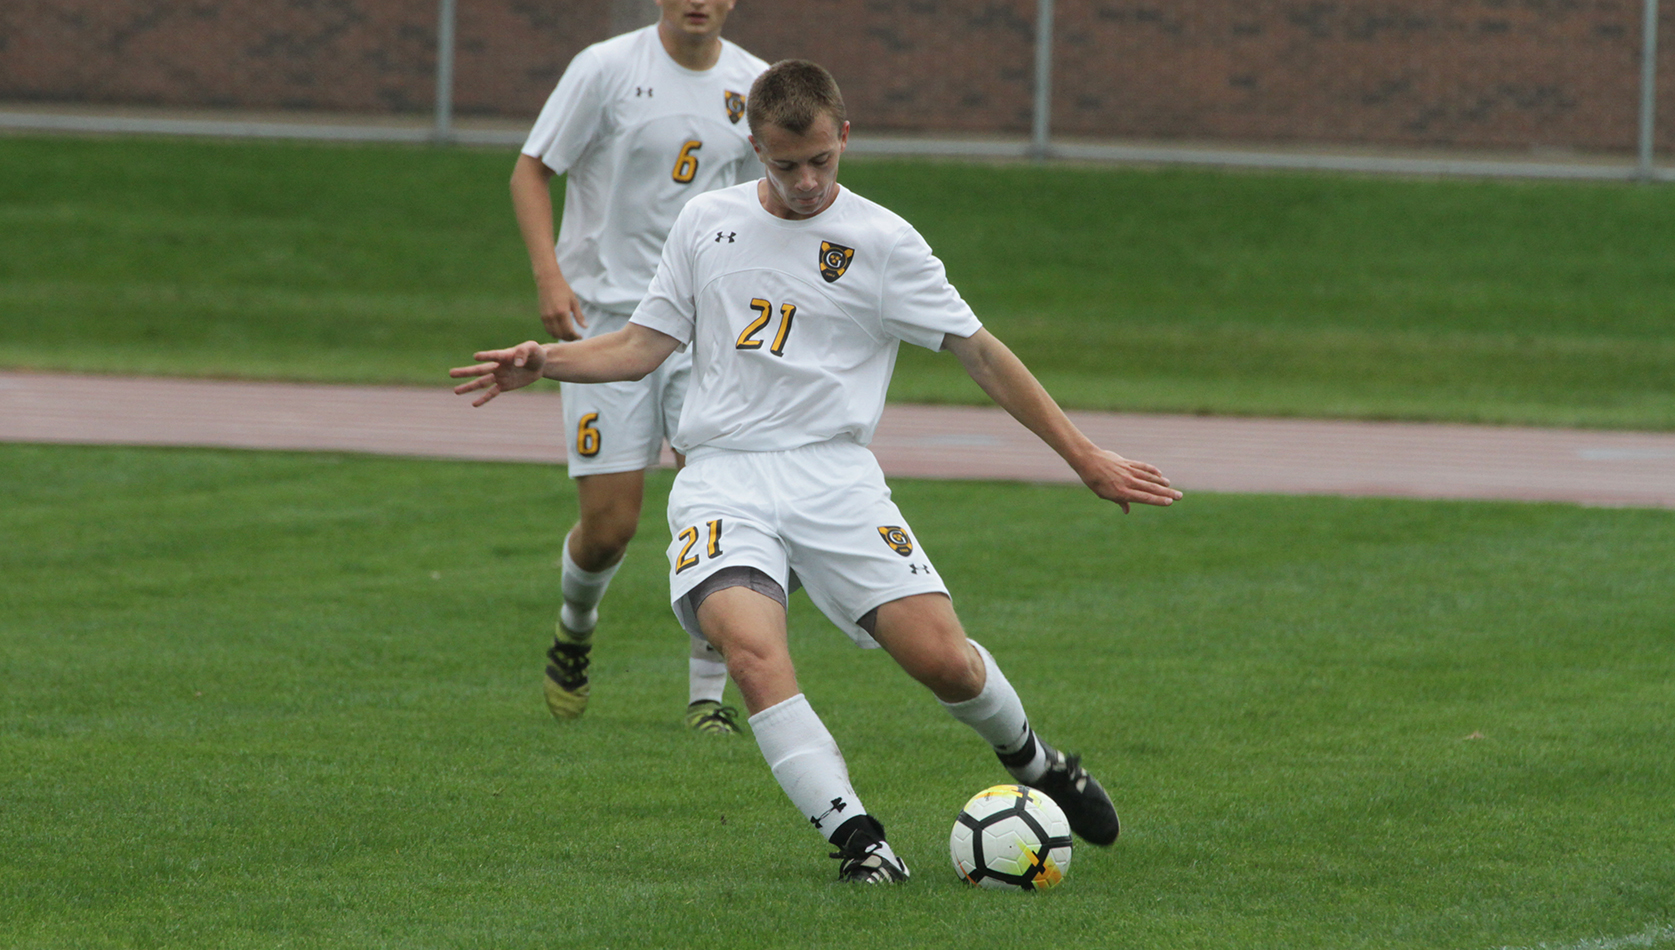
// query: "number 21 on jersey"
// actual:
[[764, 313]]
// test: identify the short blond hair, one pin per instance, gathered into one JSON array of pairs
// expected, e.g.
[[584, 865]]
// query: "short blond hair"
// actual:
[[791, 94]]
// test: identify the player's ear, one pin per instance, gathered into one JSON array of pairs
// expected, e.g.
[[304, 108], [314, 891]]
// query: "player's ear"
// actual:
[[843, 136], [757, 147]]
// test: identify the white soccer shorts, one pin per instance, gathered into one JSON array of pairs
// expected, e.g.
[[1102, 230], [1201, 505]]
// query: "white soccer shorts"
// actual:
[[621, 427], [819, 515]]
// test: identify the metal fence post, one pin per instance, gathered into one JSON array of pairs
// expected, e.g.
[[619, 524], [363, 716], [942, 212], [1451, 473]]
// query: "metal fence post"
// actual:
[[444, 126], [1648, 89], [1039, 144]]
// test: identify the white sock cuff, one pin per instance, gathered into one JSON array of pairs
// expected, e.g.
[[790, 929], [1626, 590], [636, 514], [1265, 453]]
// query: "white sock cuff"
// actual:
[[572, 569], [996, 689], [701, 650], [996, 713], [706, 673], [785, 728]]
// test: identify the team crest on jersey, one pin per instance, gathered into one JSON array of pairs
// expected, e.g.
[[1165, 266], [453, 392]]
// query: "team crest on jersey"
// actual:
[[896, 538], [834, 260], [735, 106]]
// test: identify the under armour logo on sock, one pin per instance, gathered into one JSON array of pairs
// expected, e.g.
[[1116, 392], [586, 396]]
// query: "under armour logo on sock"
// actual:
[[838, 805]]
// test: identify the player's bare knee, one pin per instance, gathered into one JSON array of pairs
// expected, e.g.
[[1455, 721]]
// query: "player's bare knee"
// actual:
[[951, 674], [745, 665], [602, 540], [951, 670], [614, 535]]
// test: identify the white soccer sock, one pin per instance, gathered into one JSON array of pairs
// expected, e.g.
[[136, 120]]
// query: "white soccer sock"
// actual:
[[583, 590], [706, 672], [997, 714], [805, 759]]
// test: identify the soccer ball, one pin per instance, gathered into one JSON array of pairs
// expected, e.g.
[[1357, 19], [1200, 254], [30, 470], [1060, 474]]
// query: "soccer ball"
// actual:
[[1012, 838]]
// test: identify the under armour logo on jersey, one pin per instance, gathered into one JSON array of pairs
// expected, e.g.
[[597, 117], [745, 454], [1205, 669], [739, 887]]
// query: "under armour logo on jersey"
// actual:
[[834, 260], [838, 805], [735, 106], [642, 91], [727, 236]]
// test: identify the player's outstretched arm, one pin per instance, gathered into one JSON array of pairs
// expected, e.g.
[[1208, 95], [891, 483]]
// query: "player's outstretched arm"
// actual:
[[1014, 388], [628, 353], [501, 370]]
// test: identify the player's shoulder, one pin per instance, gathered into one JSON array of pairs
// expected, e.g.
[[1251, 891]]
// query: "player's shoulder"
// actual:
[[720, 202], [618, 52], [862, 212], [737, 59]]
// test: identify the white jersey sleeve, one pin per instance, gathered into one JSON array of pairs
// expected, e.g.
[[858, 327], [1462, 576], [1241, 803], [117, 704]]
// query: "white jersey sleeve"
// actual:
[[670, 305], [571, 119], [920, 306]]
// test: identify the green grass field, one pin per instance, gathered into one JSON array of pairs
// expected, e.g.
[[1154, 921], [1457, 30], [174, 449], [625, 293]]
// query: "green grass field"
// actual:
[[281, 700], [1530, 302], [286, 700]]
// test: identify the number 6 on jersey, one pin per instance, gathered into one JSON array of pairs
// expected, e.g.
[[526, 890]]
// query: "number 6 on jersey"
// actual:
[[686, 165]]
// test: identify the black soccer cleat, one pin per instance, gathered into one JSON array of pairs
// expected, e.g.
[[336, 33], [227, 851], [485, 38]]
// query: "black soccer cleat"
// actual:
[[865, 856], [1080, 796]]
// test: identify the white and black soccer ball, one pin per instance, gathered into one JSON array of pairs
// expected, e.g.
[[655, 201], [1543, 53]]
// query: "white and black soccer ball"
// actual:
[[1012, 838]]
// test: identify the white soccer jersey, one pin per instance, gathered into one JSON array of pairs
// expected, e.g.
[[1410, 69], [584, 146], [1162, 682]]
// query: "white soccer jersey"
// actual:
[[794, 325], [638, 136]]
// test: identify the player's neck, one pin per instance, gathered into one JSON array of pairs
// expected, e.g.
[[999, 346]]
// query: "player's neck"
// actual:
[[772, 204], [696, 53]]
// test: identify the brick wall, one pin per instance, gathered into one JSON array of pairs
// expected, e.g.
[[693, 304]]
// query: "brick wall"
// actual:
[[1468, 73]]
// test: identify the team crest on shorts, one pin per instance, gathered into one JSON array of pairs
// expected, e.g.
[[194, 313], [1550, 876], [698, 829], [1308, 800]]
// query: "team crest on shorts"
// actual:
[[896, 538], [735, 106], [834, 260]]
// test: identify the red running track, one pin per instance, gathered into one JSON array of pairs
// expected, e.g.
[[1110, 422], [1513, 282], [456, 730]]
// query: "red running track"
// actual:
[[1198, 453]]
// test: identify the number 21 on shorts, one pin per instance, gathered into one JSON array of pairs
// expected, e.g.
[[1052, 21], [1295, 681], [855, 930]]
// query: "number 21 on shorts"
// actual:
[[689, 539]]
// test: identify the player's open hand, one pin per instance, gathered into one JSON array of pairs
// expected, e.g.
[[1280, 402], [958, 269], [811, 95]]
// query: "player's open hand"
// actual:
[[561, 312], [501, 370], [1121, 480]]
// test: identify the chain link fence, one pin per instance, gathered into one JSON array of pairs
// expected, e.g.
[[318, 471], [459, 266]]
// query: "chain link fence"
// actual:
[[1544, 87]]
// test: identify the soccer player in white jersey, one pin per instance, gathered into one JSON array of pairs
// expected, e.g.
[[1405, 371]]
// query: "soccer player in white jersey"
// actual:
[[640, 124], [793, 295]]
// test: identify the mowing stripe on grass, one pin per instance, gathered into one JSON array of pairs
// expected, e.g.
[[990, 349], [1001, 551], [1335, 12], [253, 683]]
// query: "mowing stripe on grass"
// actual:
[[1652, 936]]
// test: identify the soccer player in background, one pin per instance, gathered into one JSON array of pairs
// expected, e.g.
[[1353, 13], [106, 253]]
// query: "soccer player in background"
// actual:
[[793, 295], [640, 124]]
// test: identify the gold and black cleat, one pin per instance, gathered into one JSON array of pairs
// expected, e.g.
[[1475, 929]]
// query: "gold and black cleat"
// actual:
[[566, 683], [710, 718]]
